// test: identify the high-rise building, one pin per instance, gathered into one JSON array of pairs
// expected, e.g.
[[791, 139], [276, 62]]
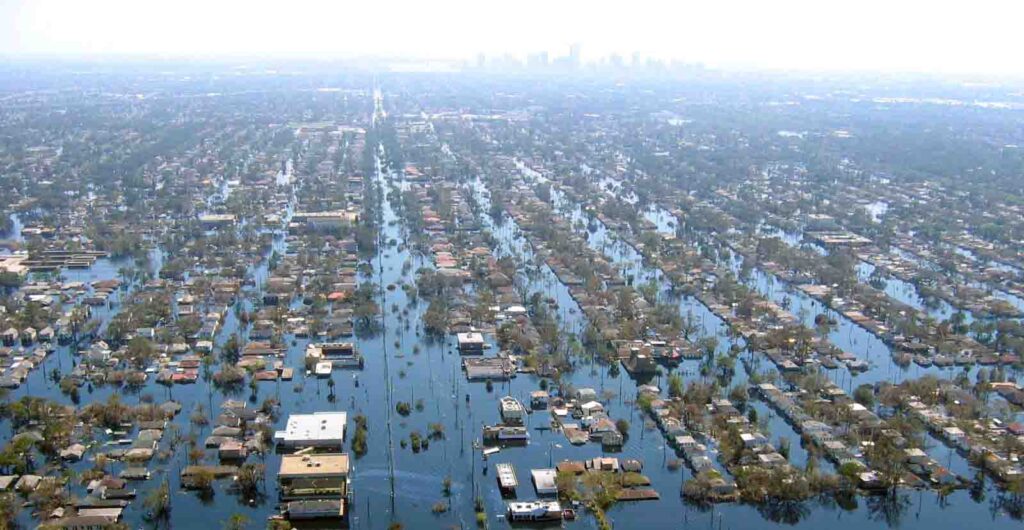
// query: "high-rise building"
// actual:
[[537, 60], [575, 55]]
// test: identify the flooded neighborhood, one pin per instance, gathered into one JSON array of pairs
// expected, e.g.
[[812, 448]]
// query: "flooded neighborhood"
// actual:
[[366, 299]]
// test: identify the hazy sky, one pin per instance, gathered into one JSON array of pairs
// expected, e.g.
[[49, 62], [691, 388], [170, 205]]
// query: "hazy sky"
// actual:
[[973, 36]]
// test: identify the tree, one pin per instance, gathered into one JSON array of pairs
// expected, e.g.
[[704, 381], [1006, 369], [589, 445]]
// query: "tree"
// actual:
[[359, 440], [865, 395], [9, 508], [236, 522], [888, 460], [232, 350], [140, 351], [622, 425], [202, 479], [675, 385], [158, 502], [250, 476]]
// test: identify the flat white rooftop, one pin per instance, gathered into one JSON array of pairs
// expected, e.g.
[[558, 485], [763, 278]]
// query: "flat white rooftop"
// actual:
[[320, 429]]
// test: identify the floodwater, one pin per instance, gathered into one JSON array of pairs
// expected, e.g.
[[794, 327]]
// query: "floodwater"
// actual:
[[394, 483]]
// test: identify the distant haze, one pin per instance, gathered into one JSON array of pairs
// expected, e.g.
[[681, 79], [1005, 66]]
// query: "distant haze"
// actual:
[[976, 36]]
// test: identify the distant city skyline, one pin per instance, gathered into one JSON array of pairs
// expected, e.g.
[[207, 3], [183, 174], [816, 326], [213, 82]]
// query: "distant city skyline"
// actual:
[[978, 37]]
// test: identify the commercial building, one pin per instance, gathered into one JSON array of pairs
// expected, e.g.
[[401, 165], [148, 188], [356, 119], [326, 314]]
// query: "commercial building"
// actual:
[[314, 476], [512, 411], [329, 220], [216, 220], [321, 430]]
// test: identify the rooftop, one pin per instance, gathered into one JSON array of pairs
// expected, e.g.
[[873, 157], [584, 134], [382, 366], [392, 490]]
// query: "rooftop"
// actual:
[[319, 428], [295, 466]]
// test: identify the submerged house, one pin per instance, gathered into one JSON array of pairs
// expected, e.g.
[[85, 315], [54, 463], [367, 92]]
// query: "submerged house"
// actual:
[[470, 343], [339, 354]]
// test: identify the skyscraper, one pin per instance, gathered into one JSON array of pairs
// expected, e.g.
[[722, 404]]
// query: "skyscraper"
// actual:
[[575, 53]]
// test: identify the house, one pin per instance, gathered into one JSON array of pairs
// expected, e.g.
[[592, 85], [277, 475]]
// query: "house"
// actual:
[[603, 464], [943, 477], [639, 363], [720, 486], [322, 430], [612, 439], [586, 394], [46, 334], [470, 343], [27, 483], [28, 336], [870, 480], [512, 411], [231, 449], [751, 440], [74, 452], [700, 462], [914, 455], [957, 437], [544, 481], [771, 460], [9, 337], [591, 408], [6, 481], [685, 442], [539, 400], [340, 354]]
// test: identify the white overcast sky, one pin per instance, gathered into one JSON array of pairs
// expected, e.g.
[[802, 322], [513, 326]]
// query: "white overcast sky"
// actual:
[[968, 36]]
